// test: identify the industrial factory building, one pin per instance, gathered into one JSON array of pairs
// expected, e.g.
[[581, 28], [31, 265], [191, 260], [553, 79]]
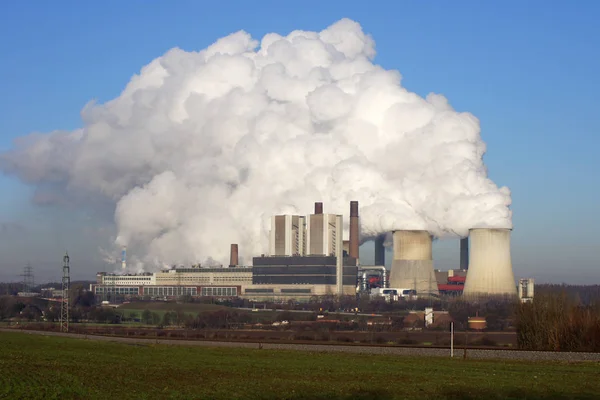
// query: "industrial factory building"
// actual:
[[312, 275], [308, 257], [222, 282]]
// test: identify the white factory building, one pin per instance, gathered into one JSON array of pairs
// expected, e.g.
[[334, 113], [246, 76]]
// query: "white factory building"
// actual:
[[195, 281]]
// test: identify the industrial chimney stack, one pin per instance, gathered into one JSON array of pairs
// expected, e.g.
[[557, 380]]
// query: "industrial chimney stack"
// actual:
[[380, 250], [318, 208], [490, 268], [464, 253], [354, 228], [233, 257]]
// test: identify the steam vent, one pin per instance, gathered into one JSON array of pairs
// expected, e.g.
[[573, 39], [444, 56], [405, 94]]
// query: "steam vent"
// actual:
[[490, 268], [412, 266]]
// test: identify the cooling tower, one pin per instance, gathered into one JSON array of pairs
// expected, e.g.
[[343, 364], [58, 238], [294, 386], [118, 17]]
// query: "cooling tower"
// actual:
[[354, 228], [380, 250], [412, 266], [490, 269], [233, 256], [464, 253]]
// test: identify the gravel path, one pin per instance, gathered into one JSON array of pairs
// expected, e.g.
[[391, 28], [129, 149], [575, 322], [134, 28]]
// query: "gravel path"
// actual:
[[401, 351]]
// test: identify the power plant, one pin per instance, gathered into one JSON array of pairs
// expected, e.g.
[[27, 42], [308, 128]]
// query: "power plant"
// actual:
[[490, 267], [308, 256], [412, 265]]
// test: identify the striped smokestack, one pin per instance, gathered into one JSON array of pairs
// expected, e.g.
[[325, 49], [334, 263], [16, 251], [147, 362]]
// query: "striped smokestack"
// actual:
[[354, 230], [233, 258], [318, 208]]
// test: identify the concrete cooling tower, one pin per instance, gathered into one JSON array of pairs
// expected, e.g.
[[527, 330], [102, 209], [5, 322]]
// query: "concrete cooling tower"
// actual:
[[412, 266], [490, 268]]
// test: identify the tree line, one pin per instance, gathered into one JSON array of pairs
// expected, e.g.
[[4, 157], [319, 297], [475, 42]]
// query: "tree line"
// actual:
[[558, 322]]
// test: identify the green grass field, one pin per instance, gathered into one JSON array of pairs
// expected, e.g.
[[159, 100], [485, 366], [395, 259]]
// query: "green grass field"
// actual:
[[170, 306], [192, 309], [161, 308], [41, 367]]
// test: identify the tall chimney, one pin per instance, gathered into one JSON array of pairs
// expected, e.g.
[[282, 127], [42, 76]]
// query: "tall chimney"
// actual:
[[354, 230], [318, 208], [464, 253], [233, 258], [379, 250]]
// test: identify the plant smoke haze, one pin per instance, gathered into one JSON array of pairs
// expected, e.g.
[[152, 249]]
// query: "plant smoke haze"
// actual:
[[201, 148]]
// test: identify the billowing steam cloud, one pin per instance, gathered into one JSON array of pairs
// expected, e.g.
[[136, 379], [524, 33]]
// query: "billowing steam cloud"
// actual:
[[201, 148]]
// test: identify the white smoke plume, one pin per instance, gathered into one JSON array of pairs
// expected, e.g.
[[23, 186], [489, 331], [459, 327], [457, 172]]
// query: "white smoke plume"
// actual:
[[201, 148]]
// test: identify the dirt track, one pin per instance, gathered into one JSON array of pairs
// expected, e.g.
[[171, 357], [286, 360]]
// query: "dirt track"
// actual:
[[401, 351]]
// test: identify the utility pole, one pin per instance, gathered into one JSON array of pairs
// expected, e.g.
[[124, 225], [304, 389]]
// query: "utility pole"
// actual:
[[28, 280], [64, 305], [451, 339]]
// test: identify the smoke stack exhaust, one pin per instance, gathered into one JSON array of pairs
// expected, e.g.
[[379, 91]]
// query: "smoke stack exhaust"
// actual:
[[124, 258], [318, 208], [490, 267], [379, 250], [233, 258], [354, 230], [464, 253]]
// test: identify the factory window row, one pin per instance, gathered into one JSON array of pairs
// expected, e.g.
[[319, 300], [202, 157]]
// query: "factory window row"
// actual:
[[301, 280], [205, 279], [219, 291], [207, 270], [302, 270], [193, 278], [296, 291], [127, 279], [117, 290], [176, 281], [170, 291], [259, 290], [231, 278]]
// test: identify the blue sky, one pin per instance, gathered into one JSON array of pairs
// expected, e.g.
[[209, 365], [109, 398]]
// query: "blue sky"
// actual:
[[528, 70]]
